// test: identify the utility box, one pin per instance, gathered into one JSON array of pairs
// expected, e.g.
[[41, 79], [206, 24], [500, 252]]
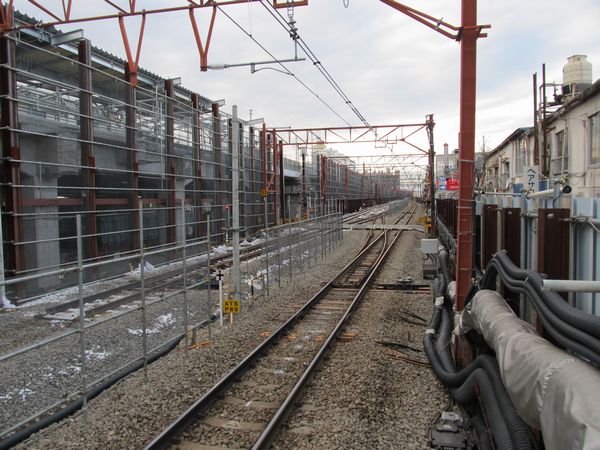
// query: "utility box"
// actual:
[[429, 252]]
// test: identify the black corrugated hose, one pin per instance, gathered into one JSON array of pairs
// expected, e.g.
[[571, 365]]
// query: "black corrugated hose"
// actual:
[[583, 321], [439, 354], [483, 435], [573, 329], [508, 428]]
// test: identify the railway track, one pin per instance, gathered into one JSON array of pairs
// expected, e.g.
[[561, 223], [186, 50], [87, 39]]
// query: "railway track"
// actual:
[[359, 217], [115, 297], [246, 408]]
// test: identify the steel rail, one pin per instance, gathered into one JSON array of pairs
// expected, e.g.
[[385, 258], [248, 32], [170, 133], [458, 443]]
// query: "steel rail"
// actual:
[[201, 406], [270, 433], [158, 282]]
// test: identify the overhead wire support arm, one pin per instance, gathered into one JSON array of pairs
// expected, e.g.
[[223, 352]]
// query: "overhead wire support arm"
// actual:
[[444, 28], [63, 15], [252, 64]]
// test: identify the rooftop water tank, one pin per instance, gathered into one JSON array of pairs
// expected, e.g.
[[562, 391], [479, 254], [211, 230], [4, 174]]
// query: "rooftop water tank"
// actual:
[[577, 74]]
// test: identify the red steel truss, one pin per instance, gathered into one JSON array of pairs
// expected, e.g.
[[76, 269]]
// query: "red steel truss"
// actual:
[[380, 135], [61, 13]]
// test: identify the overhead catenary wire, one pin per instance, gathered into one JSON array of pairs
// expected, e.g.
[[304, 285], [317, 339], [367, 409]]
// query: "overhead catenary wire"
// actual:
[[308, 88], [316, 62]]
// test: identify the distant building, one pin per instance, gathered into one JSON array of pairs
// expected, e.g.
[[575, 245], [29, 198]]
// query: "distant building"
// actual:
[[446, 173], [570, 135], [504, 165]]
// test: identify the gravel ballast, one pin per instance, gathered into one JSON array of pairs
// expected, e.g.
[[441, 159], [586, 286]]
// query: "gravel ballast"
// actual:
[[362, 397]]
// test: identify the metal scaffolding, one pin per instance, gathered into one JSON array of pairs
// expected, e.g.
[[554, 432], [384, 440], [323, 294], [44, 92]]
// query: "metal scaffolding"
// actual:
[[80, 138]]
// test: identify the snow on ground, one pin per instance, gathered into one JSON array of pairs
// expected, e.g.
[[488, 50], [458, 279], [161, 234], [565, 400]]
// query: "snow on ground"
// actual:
[[97, 353], [6, 304], [72, 292], [23, 393], [158, 325]]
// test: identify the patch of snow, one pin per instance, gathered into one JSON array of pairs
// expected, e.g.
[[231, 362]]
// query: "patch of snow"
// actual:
[[6, 304], [96, 353], [23, 393], [52, 297], [222, 249], [69, 370], [159, 324]]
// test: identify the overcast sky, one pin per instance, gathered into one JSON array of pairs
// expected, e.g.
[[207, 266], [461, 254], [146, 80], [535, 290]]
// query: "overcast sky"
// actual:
[[394, 69]]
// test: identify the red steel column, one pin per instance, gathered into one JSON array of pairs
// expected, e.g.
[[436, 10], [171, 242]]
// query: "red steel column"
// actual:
[[197, 167], [466, 146], [11, 170], [170, 169], [275, 184], [217, 212], [323, 185], [281, 183], [252, 210], [88, 159], [132, 157], [362, 185], [263, 162], [346, 188]]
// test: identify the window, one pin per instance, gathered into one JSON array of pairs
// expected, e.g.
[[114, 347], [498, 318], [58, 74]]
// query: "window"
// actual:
[[549, 151], [595, 139], [560, 160], [504, 178], [520, 155]]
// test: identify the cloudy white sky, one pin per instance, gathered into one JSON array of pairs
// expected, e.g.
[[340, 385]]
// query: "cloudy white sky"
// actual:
[[394, 69]]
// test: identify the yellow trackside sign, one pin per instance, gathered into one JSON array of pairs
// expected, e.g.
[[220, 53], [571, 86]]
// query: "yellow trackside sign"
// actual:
[[231, 306]]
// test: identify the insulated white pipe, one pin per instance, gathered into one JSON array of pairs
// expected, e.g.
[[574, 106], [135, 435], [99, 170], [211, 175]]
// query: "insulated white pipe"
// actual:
[[545, 193], [552, 390], [571, 285]]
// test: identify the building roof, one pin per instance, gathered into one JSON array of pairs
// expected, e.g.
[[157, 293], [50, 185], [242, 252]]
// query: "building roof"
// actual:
[[511, 137]]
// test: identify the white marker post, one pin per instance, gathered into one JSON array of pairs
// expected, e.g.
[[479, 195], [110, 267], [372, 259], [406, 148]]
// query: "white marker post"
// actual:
[[220, 278]]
